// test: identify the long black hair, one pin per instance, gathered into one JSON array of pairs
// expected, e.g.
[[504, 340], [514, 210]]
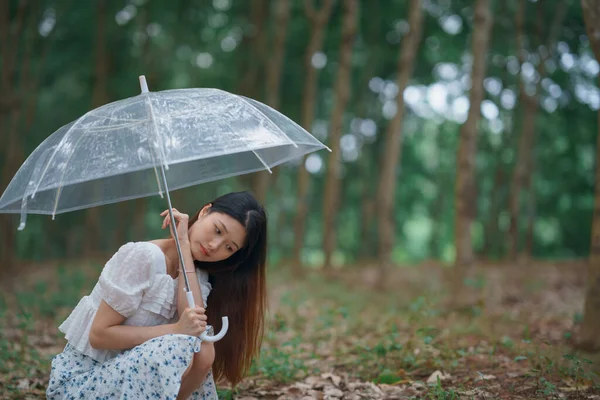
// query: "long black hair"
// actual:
[[239, 287]]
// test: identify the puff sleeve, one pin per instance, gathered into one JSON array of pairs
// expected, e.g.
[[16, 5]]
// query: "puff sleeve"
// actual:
[[125, 278], [205, 285]]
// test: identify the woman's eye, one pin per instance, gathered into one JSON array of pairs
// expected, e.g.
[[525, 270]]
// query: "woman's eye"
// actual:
[[229, 248], [218, 231]]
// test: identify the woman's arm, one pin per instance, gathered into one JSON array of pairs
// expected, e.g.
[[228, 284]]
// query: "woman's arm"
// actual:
[[181, 221], [182, 303], [107, 333]]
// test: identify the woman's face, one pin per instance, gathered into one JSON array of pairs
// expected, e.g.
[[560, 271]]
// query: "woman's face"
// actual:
[[215, 236]]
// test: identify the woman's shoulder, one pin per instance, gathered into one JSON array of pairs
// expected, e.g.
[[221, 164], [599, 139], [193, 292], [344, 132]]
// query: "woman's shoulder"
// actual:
[[138, 247], [136, 253]]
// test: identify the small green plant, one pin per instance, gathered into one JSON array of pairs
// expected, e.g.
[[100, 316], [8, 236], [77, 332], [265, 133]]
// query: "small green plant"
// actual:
[[542, 369], [427, 333], [576, 369], [387, 377], [281, 364], [439, 393], [546, 388], [225, 394], [507, 342]]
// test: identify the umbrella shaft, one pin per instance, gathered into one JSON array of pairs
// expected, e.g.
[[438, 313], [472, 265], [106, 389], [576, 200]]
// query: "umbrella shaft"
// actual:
[[166, 187], [174, 227]]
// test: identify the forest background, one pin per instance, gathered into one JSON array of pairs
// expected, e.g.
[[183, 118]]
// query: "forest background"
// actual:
[[454, 219]]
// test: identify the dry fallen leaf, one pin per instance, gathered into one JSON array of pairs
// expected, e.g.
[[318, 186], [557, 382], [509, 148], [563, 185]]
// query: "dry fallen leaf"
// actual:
[[334, 378], [432, 380], [418, 386], [316, 382], [484, 377], [333, 392], [23, 384]]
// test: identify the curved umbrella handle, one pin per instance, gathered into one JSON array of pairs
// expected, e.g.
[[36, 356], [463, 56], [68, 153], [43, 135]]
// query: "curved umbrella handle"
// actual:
[[205, 336], [213, 338]]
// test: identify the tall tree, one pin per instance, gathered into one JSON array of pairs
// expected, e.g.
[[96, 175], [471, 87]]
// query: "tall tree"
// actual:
[[99, 97], [342, 96], [497, 199], [523, 171], [367, 108], [10, 109], [274, 68], [252, 71], [439, 205], [256, 42], [467, 149], [318, 21], [393, 141], [19, 82], [590, 330]]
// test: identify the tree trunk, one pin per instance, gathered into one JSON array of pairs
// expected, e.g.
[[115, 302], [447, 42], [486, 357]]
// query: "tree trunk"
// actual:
[[393, 143], [467, 149], [8, 108], [99, 97], [530, 208], [273, 82], [491, 225], [521, 179], [256, 42], [318, 21], [559, 16], [252, 70], [274, 72], [439, 204], [364, 169], [139, 219], [516, 183], [12, 106], [589, 339], [590, 330], [342, 96]]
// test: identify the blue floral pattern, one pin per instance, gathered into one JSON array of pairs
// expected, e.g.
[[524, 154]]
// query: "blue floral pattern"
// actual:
[[152, 370]]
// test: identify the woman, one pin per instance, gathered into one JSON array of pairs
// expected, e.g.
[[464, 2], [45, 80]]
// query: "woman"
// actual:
[[134, 336]]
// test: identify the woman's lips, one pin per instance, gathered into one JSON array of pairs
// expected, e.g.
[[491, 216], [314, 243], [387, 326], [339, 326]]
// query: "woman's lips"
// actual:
[[204, 250]]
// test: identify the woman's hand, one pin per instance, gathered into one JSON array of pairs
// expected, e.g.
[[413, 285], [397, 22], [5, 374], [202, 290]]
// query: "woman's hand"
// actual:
[[192, 322], [182, 224]]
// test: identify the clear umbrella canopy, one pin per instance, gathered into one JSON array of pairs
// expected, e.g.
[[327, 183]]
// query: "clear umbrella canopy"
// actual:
[[149, 144], [113, 153]]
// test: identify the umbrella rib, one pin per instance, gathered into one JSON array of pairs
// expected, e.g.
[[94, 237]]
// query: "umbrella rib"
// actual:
[[112, 118], [37, 186], [254, 152], [105, 128], [267, 118], [59, 188], [153, 122], [262, 161]]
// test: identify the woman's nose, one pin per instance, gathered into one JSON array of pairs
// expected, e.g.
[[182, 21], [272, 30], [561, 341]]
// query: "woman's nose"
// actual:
[[215, 244]]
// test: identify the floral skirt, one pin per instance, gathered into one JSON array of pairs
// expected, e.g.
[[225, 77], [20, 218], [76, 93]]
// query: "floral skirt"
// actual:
[[152, 370]]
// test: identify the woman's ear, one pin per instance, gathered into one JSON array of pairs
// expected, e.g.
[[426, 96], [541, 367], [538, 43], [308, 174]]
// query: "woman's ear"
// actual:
[[205, 209]]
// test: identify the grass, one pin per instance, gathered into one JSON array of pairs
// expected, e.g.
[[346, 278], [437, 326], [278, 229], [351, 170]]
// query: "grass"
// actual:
[[394, 339]]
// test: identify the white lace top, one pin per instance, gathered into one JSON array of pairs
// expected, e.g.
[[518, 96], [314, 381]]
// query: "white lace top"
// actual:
[[135, 283]]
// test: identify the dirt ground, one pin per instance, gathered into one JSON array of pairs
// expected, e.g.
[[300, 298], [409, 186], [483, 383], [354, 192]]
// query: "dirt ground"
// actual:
[[342, 337]]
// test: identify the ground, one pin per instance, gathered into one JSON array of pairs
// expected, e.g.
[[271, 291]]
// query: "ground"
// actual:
[[343, 338]]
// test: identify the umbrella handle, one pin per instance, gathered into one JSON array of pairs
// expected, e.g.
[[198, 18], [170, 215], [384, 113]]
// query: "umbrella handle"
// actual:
[[205, 336]]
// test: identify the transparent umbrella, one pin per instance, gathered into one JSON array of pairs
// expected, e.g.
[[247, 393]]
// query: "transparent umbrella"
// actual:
[[150, 144]]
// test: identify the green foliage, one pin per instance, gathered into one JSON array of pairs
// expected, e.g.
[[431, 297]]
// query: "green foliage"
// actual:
[[576, 368], [439, 393], [171, 44]]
